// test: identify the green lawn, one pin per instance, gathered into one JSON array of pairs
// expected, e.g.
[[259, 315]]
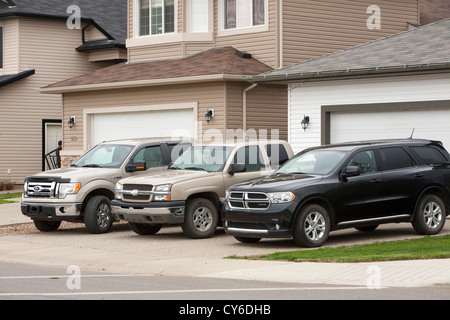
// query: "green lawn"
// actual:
[[436, 247], [4, 197]]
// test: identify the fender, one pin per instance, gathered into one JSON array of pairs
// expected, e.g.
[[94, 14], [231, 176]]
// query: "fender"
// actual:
[[319, 199], [438, 191]]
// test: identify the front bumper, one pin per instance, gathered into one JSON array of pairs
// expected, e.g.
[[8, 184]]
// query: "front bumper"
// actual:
[[149, 213], [275, 222], [53, 211]]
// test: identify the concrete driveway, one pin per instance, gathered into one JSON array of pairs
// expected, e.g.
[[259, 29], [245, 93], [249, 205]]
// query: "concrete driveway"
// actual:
[[170, 253]]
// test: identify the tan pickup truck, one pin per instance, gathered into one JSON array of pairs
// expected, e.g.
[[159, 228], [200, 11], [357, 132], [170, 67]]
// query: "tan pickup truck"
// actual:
[[82, 193], [191, 192]]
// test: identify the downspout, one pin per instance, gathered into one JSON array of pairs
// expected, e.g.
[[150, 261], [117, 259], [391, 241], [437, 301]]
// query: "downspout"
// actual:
[[244, 106]]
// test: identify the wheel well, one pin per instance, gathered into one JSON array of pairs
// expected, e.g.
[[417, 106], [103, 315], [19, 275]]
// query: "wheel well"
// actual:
[[97, 192], [437, 192], [211, 196], [321, 202]]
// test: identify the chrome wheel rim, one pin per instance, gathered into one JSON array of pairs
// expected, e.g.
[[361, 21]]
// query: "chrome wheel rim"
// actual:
[[315, 226], [432, 214], [103, 215], [203, 219]]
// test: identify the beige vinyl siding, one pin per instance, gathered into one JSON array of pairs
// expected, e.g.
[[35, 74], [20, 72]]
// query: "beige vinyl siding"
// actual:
[[262, 45], [207, 95], [313, 28], [10, 46], [48, 47], [156, 52]]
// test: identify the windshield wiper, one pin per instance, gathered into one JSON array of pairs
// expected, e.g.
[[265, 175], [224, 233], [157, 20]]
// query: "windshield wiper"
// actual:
[[195, 168], [74, 165], [92, 166]]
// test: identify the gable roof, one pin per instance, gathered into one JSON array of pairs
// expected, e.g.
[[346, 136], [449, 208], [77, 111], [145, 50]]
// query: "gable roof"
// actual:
[[109, 16], [197, 67], [422, 49]]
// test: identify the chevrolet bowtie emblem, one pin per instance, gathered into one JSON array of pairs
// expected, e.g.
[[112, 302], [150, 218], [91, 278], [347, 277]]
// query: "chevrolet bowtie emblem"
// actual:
[[134, 193]]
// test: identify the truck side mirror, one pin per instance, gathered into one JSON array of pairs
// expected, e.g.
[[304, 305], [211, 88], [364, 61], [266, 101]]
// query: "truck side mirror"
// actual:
[[136, 166], [350, 171], [236, 167]]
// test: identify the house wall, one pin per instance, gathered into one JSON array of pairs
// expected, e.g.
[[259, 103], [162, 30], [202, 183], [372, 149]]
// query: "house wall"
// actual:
[[314, 28], [48, 47], [313, 97], [310, 28]]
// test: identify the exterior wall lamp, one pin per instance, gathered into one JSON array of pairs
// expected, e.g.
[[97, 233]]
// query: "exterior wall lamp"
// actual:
[[71, 122], [305, 122], [209, 115]]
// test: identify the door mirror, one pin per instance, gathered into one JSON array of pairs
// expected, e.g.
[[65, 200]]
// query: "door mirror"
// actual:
[[136, 166], [350, 171], [237, 167]]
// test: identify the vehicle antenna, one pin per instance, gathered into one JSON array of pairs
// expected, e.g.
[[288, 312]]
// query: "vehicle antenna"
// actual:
[[412, 133]]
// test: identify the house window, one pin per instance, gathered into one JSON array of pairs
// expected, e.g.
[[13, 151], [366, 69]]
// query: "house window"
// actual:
[[199, 15], [156, 17], [243, 13]]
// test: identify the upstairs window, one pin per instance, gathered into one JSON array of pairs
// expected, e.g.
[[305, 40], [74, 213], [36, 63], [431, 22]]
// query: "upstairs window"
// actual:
[[156, 17], [240, 14]]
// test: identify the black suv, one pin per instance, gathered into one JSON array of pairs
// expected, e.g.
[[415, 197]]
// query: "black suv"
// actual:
[[360, 185]]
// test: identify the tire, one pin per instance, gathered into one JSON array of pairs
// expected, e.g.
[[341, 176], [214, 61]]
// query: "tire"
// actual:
[[312, 226], [201, 219], [97, 216], [368, 228], [430, 215], [46, 226], [145, 229], [247, 240]]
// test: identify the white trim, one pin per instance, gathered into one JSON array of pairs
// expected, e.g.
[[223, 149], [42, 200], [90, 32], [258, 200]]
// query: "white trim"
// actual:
[[87, 116], [169, 38]]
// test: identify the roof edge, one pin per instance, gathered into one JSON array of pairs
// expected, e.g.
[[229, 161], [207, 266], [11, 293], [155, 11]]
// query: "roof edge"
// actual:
[[18, 76], [142, 83]]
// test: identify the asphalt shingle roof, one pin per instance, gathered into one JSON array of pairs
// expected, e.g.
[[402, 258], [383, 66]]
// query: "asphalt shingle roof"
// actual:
[[424, 48], [226, 60], [110, 15]]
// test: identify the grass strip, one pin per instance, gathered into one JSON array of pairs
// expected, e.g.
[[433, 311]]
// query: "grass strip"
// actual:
[[428, 247], [4, 197]]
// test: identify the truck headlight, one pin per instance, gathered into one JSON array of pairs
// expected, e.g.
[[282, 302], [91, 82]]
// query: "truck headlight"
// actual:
[[68, 189], [118, 191], [281, 197], [162, 192]]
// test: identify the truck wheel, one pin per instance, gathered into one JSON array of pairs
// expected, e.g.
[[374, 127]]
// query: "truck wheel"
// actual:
[[46, 226], [97, 216], [312, 226], [201, 218], [144, 229], [429, 218]]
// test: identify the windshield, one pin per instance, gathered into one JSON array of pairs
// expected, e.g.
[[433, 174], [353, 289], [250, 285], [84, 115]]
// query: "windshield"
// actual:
[[313, 162], [105, 156], [205, 158]]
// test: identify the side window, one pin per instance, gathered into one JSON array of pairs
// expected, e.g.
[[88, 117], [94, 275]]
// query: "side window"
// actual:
[[429, 155], [395, 158], [251, 156], [151, 155], [365, 160], [277, 154]]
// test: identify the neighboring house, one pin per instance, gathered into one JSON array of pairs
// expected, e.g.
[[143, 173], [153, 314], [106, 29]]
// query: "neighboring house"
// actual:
[[383, 89], [186, 57], [38, 47]]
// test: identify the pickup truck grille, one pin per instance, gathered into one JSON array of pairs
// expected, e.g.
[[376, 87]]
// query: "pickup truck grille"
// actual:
[[249, 200], [137, 192], [40, 189]]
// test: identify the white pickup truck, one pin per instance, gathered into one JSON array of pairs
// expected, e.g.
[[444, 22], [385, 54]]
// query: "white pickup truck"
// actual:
[[82, 193]]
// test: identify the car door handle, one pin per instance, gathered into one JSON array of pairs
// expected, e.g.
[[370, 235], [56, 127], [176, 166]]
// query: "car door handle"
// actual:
[[376, 180]]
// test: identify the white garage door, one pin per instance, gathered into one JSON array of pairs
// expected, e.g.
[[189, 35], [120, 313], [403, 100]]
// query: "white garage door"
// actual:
[[159, 124], [429, 124]]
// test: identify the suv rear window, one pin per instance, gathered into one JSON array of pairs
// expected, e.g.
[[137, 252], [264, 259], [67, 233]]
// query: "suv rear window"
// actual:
[[395, 158], [429, 155]]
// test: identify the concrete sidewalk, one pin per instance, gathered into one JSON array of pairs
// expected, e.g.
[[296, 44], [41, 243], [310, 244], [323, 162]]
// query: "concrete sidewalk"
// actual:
[[10, 213]]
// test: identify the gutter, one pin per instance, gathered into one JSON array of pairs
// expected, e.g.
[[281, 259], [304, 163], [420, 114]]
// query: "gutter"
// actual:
[[142, 83]]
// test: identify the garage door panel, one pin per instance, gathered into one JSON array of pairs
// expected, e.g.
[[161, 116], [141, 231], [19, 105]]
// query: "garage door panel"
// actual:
[[429, 124], [158, 124]]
